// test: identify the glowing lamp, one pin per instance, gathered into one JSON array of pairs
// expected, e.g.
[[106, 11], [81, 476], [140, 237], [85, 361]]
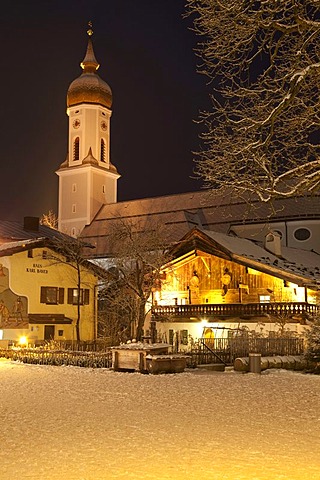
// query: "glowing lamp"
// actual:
[[23, 340]]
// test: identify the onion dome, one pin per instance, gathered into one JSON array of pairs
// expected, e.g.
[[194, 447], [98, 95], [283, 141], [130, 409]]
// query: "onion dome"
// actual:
[[89, 87]]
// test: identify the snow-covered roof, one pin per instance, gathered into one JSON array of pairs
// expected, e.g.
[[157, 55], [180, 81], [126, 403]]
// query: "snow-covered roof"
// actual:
[[300, 266], [142, 346], [15, 230], [295, 261], [8, 248], [181, 212], [11, 248], [20, 244]]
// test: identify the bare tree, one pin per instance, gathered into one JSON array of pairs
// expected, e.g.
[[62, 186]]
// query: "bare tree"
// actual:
[[117, 308], [261, 137], [138, 252], [71, 251], [50, 220]]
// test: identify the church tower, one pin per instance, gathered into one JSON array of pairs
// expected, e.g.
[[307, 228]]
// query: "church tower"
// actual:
[[87, 178]]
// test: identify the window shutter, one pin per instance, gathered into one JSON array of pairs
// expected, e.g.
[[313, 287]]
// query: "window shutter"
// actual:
[[43, 295], [70, 296], [61, 295], [103, 151], [86, 296], [76, 149]]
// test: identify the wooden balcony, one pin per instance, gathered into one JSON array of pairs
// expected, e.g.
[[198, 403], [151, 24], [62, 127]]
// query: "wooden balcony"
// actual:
[[224, 311]]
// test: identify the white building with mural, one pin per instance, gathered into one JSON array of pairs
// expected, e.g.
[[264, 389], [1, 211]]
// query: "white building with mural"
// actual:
[[40, 297]]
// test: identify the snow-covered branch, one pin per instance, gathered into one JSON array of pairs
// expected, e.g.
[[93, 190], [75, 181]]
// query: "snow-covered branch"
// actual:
[[262, 135]]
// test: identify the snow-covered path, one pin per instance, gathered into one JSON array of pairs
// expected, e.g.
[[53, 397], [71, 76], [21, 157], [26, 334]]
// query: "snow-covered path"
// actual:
[[68, 423]]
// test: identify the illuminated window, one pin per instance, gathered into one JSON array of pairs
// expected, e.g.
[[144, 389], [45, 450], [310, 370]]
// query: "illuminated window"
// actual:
[[264, 298], [73, 296], [52, 295], [76, 149], [184, 337], [103, 151]]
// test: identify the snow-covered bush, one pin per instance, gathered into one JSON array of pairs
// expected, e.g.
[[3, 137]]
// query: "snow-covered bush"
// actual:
[[313, 346]]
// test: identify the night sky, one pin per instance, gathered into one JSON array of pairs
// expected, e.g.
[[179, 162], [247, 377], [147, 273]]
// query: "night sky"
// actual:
[[146, 53]]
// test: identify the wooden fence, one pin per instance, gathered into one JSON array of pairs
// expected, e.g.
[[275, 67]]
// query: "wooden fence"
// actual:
[[224, 350], [205, 351]]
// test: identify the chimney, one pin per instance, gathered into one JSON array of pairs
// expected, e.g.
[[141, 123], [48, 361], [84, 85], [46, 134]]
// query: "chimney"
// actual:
[[272, 243], [31, 224]]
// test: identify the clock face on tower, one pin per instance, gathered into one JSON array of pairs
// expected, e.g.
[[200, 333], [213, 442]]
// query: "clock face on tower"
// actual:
[[76, 123], [104, 126]]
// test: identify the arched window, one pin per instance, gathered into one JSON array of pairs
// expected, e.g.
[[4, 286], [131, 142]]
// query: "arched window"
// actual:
[[76, 149], [103, 151]]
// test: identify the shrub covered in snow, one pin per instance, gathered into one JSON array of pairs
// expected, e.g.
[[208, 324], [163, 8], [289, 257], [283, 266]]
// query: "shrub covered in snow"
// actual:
[[313, 346]]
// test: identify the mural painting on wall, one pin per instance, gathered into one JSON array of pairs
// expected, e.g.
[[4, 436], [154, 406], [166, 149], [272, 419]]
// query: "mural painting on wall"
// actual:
[[13, 308]]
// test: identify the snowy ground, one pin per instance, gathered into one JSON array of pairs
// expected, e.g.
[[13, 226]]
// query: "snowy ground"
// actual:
[[68, 423]]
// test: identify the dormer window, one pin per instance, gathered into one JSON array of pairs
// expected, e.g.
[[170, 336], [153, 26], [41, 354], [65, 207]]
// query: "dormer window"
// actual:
[[103, 151], [76, 149]]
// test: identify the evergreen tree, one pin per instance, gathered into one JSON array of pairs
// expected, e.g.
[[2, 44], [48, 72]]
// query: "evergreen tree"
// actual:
[[313, 345]]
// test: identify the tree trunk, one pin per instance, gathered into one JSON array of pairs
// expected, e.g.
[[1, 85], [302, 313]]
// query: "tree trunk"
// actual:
[[78, 305], [141, 319]]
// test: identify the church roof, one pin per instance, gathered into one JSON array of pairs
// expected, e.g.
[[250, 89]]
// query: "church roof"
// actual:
[[89, 87], [181, 212]]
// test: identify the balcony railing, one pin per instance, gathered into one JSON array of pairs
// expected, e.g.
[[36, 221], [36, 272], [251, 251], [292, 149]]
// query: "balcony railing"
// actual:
[[197, 312]]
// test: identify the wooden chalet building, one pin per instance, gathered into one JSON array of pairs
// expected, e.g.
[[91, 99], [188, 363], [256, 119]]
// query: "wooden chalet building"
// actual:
[[262, 274], [217, 284]]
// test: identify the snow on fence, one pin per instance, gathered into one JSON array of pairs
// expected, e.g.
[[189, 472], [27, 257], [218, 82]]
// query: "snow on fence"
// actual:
[[209, 350]]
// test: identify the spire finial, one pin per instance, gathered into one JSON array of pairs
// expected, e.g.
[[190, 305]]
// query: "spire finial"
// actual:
[[89, 64], [90, 31]]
